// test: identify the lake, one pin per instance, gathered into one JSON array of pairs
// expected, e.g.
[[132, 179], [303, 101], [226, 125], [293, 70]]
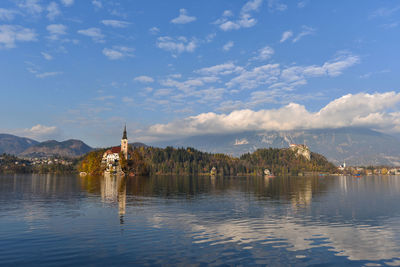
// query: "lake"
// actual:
[[177, 220]]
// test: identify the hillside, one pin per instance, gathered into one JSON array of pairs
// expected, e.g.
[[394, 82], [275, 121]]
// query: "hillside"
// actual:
[[11, 144], [68, 148], [356, 146]]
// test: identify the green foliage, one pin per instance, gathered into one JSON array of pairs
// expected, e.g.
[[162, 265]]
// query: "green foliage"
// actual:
[[192, 161]]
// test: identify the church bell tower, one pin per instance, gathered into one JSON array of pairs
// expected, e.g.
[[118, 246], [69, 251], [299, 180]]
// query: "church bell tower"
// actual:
[[124, 144]]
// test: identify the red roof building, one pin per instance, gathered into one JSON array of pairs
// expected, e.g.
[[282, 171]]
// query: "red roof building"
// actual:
[[116, 149]]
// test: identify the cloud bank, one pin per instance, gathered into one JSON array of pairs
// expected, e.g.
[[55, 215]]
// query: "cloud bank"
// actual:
[[376, 111], [40, 132]]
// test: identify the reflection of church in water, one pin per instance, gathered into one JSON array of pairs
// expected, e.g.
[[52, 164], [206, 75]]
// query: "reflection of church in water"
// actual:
[[113, 190]]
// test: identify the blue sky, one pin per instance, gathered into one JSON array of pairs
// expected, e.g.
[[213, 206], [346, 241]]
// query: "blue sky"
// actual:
[[81, 69]]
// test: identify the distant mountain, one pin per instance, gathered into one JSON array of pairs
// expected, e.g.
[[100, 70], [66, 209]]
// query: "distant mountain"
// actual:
[[138, 144], [69, 148], [356, 146], [12, 144]]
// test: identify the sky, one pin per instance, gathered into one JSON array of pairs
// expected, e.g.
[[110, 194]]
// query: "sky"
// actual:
[[169, 69]]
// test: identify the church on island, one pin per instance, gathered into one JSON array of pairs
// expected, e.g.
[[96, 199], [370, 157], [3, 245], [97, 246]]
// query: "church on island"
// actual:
[[111, 158]]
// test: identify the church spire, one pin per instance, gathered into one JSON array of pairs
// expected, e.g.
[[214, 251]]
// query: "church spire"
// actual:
[[124, 136]]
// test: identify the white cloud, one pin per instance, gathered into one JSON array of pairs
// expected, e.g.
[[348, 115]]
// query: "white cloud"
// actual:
[[183, 18], [384, 12], [162, 92], [359, 110], [245, 19], [144, 79], [118, 52], [306, 31], [56, 30], [340, 63], [67, 2], [288, 78], [252, 5], [178, 45], [7, 14], [94, 33], [228, 46], [264, 53], [53, 11], [189, 86], [286, 35], [261, 75], [40, 132], [47, 74], [31, 6], [154, 30], [47, 56], [115, 23], [221, 69], [227, 13], [276, 5], [97, 3], [302, 4], [10, 34]]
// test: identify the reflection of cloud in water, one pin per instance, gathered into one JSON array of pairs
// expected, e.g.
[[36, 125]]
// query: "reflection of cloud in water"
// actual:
[[356, 242]]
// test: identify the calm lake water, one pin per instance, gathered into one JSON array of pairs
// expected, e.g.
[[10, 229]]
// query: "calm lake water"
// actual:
[[68, 220]]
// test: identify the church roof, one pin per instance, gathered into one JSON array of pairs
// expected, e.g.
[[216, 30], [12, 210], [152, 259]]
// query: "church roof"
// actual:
[[124, 136], [116, 149]]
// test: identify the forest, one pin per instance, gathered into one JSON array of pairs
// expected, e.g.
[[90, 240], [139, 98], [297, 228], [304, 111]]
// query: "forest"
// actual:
[[183, 161]]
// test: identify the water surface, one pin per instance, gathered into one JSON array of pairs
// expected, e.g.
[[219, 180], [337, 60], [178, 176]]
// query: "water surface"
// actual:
[[68, 220]]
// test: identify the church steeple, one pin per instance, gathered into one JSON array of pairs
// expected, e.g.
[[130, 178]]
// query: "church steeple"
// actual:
[[124, 144], [124, 136]]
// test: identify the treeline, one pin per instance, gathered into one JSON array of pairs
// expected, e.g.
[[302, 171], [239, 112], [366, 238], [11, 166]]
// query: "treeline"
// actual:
[[149, 161], [10, 164]]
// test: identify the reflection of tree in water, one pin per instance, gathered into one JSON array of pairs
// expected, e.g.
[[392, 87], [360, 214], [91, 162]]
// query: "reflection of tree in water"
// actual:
[[90, 184], [296, 189]]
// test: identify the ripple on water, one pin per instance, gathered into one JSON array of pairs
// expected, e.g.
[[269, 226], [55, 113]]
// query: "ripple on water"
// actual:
[[231, 222]]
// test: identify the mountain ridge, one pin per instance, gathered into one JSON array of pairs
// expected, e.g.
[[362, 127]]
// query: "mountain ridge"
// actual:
[[26, 147], [15, 144], [356, 146]]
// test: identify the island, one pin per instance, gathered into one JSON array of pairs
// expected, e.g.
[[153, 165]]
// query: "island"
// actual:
[[144, 160]]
